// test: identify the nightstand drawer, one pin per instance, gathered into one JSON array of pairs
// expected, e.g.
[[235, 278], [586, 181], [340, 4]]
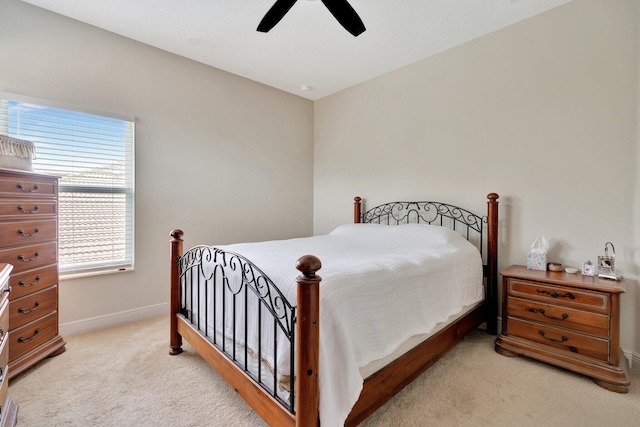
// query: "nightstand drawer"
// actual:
[[564, 339], [28, 232], [565, 317], [32, 281], [30, 307], [28, 257], [22, 209], [567, 296], [31, 335]]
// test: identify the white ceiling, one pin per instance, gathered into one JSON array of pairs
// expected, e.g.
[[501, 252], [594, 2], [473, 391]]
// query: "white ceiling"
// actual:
[[308, 47]]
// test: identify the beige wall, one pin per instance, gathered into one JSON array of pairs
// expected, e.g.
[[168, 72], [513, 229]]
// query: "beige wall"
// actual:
[[543, 112], [221, 157], [634, 254]]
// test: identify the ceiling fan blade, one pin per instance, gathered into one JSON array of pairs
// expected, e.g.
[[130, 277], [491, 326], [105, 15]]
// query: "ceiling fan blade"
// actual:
[[346, 16], [275, 14]]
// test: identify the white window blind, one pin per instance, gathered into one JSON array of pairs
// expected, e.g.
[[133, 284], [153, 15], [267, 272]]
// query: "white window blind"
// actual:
[[94, 157]]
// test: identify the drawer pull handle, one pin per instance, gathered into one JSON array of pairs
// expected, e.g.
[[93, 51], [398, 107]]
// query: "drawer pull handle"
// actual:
[[563, 339], [23, 259], [557, 295], [36, 187], [23, 339], [21, 282], [23, 311], [35, 232], [565, 316], [35, 209]]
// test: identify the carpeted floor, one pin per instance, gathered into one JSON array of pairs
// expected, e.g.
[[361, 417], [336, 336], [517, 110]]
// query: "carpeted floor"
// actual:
[[124, 376]]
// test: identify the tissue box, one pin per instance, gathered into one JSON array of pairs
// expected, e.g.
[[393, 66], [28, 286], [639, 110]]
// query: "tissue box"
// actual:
[[536, 261], [16, 153]]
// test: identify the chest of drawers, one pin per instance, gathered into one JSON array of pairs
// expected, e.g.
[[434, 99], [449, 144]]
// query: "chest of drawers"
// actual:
[[29, 230], [568, 320], [8, 410]]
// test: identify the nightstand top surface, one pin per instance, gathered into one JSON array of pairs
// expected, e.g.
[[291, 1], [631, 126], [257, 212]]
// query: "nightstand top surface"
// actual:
[[565, 279]]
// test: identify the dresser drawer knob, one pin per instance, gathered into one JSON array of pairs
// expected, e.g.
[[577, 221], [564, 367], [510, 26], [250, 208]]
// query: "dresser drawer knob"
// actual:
[[35, 232], [542, 311], [26, 285], [35, 209], [23, 311], [23, 259], [23, 339], [563, 339], [36, 187], [556, 295]]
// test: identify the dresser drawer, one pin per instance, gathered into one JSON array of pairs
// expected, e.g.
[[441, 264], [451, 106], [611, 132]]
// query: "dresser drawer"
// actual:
[[28, 232], [30, 307], [564, 339], [577, 298], [30, 257], [31, 186], [4, 367], [31, 335], [32, 281], [4, 355], [4, 321], [565, 317], [22, 209]]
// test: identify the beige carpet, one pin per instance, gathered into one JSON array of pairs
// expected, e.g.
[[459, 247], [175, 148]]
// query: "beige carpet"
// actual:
[[124, 376]]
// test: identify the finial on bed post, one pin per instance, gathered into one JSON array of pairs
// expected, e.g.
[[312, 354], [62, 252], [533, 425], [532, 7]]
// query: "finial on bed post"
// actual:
[[307, 395], [175, 339], [357, 208], [492, 263]]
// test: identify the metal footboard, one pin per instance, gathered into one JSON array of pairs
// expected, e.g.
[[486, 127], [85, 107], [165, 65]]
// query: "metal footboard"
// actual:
[[238, 309]]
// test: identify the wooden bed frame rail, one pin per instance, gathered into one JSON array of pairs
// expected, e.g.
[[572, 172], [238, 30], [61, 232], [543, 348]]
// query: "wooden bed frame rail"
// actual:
[[378, 388]]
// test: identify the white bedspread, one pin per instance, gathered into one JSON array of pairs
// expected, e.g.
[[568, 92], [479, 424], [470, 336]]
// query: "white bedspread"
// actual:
[[380, 285]]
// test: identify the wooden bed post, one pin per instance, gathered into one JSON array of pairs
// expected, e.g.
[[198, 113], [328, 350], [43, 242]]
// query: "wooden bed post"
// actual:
[[307, 390], [357, 208], [492, 263], [175, 339]]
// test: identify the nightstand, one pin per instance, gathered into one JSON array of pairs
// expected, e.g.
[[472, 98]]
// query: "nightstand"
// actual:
[[567, 320]]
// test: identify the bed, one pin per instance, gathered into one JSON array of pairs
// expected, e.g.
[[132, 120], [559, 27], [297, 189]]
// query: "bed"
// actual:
[[393, 301]]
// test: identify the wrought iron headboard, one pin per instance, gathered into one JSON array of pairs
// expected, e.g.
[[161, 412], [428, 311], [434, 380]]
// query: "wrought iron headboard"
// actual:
[[467, 223]]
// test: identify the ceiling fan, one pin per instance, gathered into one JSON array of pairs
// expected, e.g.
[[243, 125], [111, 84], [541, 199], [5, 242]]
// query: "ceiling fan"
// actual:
[[340, 9]]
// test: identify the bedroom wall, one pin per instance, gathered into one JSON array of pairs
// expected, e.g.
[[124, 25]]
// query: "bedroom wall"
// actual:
[[544, 112], [219, 156]]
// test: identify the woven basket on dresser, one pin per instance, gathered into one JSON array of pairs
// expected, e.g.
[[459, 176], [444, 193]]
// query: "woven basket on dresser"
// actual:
[[16, 153]]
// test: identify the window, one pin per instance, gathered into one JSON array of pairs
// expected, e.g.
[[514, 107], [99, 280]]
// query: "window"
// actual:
[[93, 156]]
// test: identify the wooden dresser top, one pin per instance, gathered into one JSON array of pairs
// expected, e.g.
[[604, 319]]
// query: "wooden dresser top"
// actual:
[[565, 279]]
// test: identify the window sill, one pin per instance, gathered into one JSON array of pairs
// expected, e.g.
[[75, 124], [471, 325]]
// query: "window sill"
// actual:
[[80, 275]]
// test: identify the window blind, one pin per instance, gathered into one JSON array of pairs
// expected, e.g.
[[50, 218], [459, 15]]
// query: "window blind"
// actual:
[[94, 157]]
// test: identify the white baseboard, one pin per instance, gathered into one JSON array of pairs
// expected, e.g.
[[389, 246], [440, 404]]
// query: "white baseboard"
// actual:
[[634, 360], [101, 322]]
